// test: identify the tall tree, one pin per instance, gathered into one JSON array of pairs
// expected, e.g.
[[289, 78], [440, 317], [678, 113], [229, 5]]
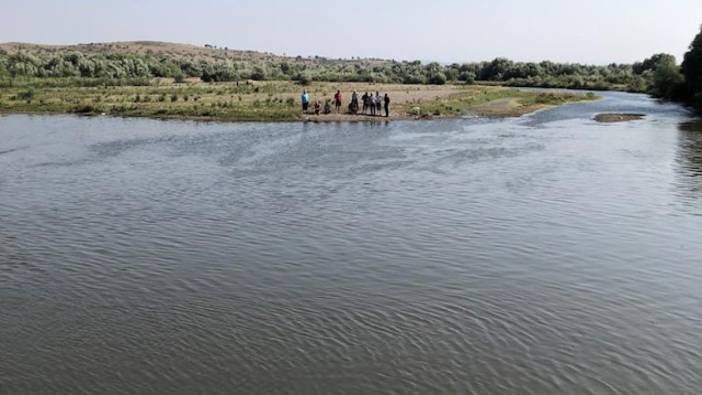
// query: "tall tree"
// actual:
[[668, 82], [692, 65]]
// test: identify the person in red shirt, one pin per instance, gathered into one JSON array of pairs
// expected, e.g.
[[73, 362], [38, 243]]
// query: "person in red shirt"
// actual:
[[337, 101]]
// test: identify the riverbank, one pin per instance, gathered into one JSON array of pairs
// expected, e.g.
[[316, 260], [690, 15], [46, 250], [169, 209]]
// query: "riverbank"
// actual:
[[276, 100]]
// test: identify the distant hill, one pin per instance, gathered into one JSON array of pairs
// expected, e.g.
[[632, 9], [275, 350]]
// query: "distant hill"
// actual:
[[193, 53]]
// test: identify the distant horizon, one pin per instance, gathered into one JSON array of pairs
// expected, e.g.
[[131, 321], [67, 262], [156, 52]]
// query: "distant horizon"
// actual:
[[424, 61], [600, 32]]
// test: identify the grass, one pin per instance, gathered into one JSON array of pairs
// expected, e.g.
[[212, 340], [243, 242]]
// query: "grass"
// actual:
[[494, 101], [266, 101]]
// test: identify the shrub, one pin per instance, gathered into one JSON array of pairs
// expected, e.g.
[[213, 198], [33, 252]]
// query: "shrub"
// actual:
[[302, 79], [84, 109], [26, 95], [467, 77], [437, 79], [174, 98]]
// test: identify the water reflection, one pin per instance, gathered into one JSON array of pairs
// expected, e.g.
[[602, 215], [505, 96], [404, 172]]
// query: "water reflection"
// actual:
[[689, 157]]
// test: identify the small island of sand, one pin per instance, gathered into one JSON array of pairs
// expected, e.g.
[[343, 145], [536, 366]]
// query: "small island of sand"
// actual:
[[618, 117]]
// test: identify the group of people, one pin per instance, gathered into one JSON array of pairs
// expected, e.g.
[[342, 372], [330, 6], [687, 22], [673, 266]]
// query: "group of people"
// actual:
[[372, 104]]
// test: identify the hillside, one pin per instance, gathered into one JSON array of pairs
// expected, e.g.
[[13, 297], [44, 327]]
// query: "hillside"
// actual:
[[193, 53]]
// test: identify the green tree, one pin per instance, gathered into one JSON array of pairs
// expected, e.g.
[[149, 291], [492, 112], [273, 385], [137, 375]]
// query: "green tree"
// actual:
[[652, 63], [437, 78], [692, 67], [258, 74], [668, 81], [495, 70]]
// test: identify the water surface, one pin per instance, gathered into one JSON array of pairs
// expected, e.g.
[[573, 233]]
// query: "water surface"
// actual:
[[545, 254]]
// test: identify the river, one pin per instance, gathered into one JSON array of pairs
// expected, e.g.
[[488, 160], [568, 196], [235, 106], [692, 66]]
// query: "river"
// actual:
[[547, 254]]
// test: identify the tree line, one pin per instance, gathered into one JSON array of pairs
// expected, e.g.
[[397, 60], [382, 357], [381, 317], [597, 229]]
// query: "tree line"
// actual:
[[123, 66], [114, 65]]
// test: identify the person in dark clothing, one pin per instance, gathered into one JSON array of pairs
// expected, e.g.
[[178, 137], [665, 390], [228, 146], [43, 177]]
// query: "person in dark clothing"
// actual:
[[365, 99], [387, 105], [353, 107]]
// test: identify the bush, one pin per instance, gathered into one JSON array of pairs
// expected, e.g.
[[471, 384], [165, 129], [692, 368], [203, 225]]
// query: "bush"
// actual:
[[84, 109], [26, 95], [467, 77], [302, 79], [258, 74], [437, 79], [174, 98]]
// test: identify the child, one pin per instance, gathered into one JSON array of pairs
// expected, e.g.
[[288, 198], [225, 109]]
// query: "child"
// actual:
[[316, 107]]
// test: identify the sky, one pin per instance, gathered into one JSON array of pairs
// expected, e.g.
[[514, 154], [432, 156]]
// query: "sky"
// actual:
[[591, 31]]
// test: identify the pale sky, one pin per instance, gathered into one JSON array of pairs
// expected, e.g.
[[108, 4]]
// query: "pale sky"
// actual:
[[589, 31]]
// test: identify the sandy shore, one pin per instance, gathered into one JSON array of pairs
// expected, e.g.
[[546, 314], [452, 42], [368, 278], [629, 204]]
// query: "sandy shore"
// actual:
[[276, 101]]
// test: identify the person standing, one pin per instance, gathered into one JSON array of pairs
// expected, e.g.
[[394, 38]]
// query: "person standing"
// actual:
[[365, 98], [337, 101], [378, 102], [372, 104], [387, 105], [305, 101], [353, 108]]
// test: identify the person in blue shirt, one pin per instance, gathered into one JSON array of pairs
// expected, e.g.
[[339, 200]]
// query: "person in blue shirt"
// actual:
[[305, 101]]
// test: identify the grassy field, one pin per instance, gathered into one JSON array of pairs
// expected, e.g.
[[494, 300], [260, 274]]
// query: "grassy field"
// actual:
[[270, 101]]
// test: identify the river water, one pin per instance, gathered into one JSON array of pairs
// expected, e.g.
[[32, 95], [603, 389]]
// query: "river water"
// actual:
[[547, 254]]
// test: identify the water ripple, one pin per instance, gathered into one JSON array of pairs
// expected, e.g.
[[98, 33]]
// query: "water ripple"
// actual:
[[545, 254]]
